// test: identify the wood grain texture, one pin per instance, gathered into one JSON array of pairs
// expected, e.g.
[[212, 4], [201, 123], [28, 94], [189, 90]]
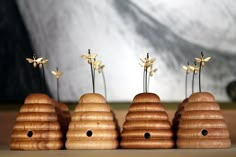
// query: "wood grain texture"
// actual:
[[202, 124], [146, 97], [93, 125], [146, 144], [154, 134], [201, 97], [38, 98], [87, 144], [37, 125], [144, 115], [146, 124], [204, 143]]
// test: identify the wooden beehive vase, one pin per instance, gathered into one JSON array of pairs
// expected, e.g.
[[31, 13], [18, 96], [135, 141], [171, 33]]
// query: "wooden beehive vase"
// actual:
[[37, 126], [202, 124], [93, 125], [146, 124]]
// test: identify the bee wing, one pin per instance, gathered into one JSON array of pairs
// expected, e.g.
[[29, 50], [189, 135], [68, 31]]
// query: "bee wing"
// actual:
[[96, 65], [30, 60], [191, 68], [59, 73], [194, 68], [207, 59], [152, 60], [185, 68], [198, 59], [85, 56], [93, 56], [143, 60], [141, 64], [54, 73], [38, 60], [151, 72], [44, 61], [97, 62]]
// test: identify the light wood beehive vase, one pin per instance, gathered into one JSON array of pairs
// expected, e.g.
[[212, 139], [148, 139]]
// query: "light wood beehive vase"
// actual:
[[146, 125], [202, 124], [93, 125], [37, 126]]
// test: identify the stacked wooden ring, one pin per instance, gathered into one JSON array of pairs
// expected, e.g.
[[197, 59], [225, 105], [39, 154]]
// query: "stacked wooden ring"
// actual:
[[202, 124], [177, 117], [147, 124], [37, 126], [93, 125]]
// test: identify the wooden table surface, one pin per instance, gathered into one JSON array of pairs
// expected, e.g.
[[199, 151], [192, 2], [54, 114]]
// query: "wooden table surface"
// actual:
[[231, 152]]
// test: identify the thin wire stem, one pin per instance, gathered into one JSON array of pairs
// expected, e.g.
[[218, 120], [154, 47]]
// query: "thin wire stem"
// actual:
[[148, 82], [146, 88], [144, 80], [104, 82], [145, 70], [41, 81], [193, 81], [92, 72], [94, 80], [186, 83], [58, 98], [200, 69], [44, 80]]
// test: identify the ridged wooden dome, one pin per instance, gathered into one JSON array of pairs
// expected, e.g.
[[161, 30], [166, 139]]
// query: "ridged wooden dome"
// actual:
[[147, 124], [93, 125], [202, 124], [37, 126]]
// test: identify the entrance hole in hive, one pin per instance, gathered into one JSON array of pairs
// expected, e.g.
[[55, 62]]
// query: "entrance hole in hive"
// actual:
[[204, 132], [147, 135], [89, 133], [30, 133]]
